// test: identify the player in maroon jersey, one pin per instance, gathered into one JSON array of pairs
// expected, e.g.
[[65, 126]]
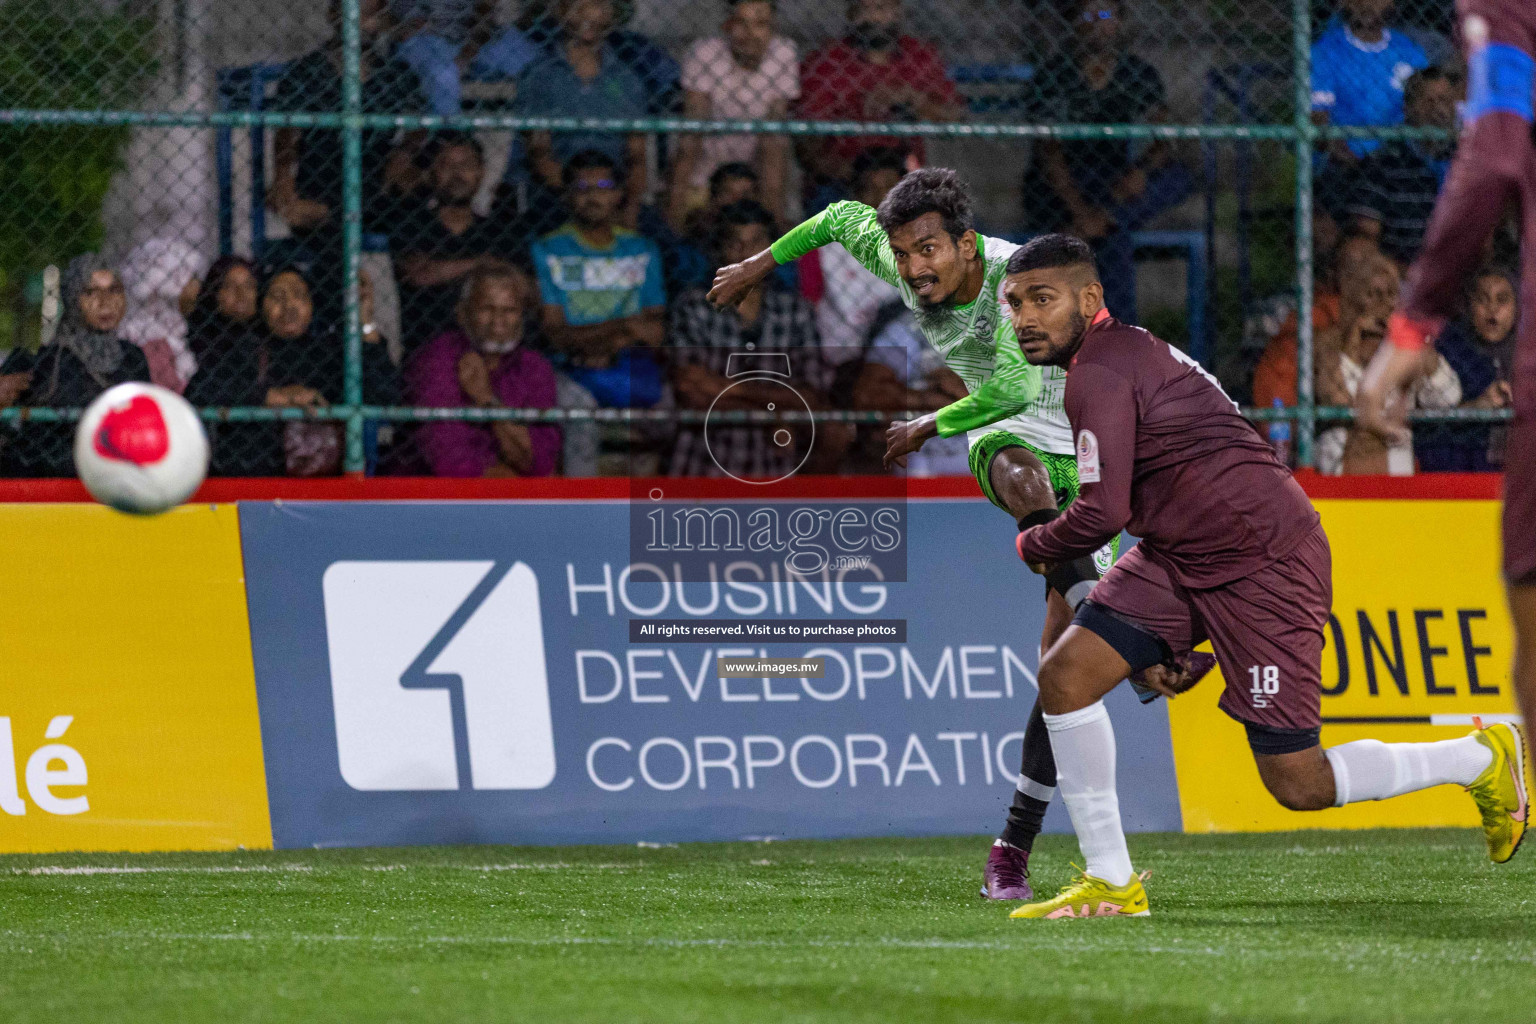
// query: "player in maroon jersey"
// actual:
[[1231, 550], [1495, 164]]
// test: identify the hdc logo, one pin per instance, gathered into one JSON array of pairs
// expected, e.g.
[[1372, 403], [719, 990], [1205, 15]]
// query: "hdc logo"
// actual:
[[437, 674]]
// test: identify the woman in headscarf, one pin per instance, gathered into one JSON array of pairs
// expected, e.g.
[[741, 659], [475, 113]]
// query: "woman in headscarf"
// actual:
[[224, 312], [289, 360], [161, 276], [231, 344], [85, 357]]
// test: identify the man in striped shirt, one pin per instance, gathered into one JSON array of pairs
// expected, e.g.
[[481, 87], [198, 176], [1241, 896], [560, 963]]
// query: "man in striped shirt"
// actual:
[[923, 241], [701, 342], [1395, 189]]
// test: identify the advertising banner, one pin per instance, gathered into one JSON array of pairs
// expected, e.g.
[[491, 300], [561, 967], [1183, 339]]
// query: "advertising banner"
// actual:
[[1418, 644], [128, 708], [377, 673], [453, 673]]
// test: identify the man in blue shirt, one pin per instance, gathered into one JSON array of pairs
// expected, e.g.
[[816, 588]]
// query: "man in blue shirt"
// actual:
[[601, 285], [446, 41], [655, 67], [582, 76], [1359, 69]]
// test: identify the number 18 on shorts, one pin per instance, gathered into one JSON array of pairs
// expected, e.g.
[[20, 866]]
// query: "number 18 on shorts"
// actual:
[[1265, 681]]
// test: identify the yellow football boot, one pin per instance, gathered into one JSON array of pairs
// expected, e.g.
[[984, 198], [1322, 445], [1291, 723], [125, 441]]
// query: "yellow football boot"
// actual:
[[1086, 896], [1501, 792]]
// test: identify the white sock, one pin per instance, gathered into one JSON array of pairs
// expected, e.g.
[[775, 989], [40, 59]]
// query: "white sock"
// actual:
[[1084, 744], [1373, 770]]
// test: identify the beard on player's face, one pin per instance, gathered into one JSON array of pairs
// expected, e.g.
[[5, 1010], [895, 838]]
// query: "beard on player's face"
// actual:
[[1060, 343]]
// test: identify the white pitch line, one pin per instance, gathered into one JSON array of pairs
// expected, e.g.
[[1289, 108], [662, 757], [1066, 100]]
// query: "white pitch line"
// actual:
[[89, 870], [1370, 952], [578, 940]]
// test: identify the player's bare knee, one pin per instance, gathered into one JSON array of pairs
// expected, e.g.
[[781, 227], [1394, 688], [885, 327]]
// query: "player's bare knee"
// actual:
[[1298, 782], [1021, 482], [1055, 682], [1296, 795], [1058, 616], [1052, 677], [1065, 684]]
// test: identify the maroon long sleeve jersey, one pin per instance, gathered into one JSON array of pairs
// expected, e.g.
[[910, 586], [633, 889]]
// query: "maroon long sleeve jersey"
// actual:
[[1163, 452], [1495, 163]]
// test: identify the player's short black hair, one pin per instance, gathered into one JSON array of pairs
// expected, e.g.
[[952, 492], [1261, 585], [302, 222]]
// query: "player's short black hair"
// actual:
[[1050, 251], [731, 5], [734, 169], [931, 190], [590, 160]]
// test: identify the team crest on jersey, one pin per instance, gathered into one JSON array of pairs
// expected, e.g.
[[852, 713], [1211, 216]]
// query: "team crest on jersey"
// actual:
[[984, 326], [1104, 558], [1087, 457]]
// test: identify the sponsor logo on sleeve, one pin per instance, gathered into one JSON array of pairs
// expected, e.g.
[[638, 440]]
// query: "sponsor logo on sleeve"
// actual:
[[1087, 457]]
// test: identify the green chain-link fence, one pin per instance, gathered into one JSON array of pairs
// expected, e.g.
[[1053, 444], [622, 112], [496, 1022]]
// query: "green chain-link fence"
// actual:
[[275, 207]]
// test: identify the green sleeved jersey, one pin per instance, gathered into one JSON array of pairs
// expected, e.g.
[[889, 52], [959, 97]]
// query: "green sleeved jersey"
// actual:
[[976, 341]]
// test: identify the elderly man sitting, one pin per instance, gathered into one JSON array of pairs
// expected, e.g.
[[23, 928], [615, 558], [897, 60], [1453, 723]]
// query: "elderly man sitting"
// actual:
[[482, 363]]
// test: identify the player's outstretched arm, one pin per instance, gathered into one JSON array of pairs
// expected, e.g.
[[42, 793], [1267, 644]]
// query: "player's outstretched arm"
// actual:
[[1102, 408], [1491, 161], [991, 402], [1013, 385], [849, 223], [733, 282]]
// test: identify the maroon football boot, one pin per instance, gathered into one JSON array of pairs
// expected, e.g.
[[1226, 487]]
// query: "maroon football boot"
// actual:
[[1007, 873]]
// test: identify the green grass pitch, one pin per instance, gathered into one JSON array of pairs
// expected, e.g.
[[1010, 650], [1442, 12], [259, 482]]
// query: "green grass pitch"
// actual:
[[1374, 926]]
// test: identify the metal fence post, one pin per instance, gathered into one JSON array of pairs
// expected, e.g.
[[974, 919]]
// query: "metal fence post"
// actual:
[[1306, 410], [352, 221]]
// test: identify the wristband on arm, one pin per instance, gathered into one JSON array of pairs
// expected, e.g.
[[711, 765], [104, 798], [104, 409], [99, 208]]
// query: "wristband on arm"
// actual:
[[1500, 77]]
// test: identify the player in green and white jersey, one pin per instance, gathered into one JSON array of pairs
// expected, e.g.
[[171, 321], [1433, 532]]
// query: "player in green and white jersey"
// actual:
[[923, 241]]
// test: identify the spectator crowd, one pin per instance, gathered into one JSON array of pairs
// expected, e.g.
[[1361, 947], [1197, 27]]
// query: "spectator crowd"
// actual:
[[1374, 202], [570, 270]]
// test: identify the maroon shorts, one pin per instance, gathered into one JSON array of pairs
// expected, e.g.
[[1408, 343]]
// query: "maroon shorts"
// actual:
[[1266, 628], [1520, 502]]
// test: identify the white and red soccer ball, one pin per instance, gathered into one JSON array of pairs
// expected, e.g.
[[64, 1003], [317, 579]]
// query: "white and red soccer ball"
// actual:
[[140, 448]]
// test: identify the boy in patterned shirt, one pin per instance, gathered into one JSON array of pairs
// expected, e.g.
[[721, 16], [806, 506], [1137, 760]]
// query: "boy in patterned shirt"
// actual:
[[923, 241]]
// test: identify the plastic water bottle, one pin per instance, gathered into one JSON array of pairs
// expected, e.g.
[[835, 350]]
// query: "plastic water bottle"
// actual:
[[1280, 435]]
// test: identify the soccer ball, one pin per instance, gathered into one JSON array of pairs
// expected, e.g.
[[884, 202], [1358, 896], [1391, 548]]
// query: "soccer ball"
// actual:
[[141, 448]]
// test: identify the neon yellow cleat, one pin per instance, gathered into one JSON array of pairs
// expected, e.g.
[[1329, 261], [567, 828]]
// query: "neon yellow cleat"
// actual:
[[1086, 896], [1501, 792]]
